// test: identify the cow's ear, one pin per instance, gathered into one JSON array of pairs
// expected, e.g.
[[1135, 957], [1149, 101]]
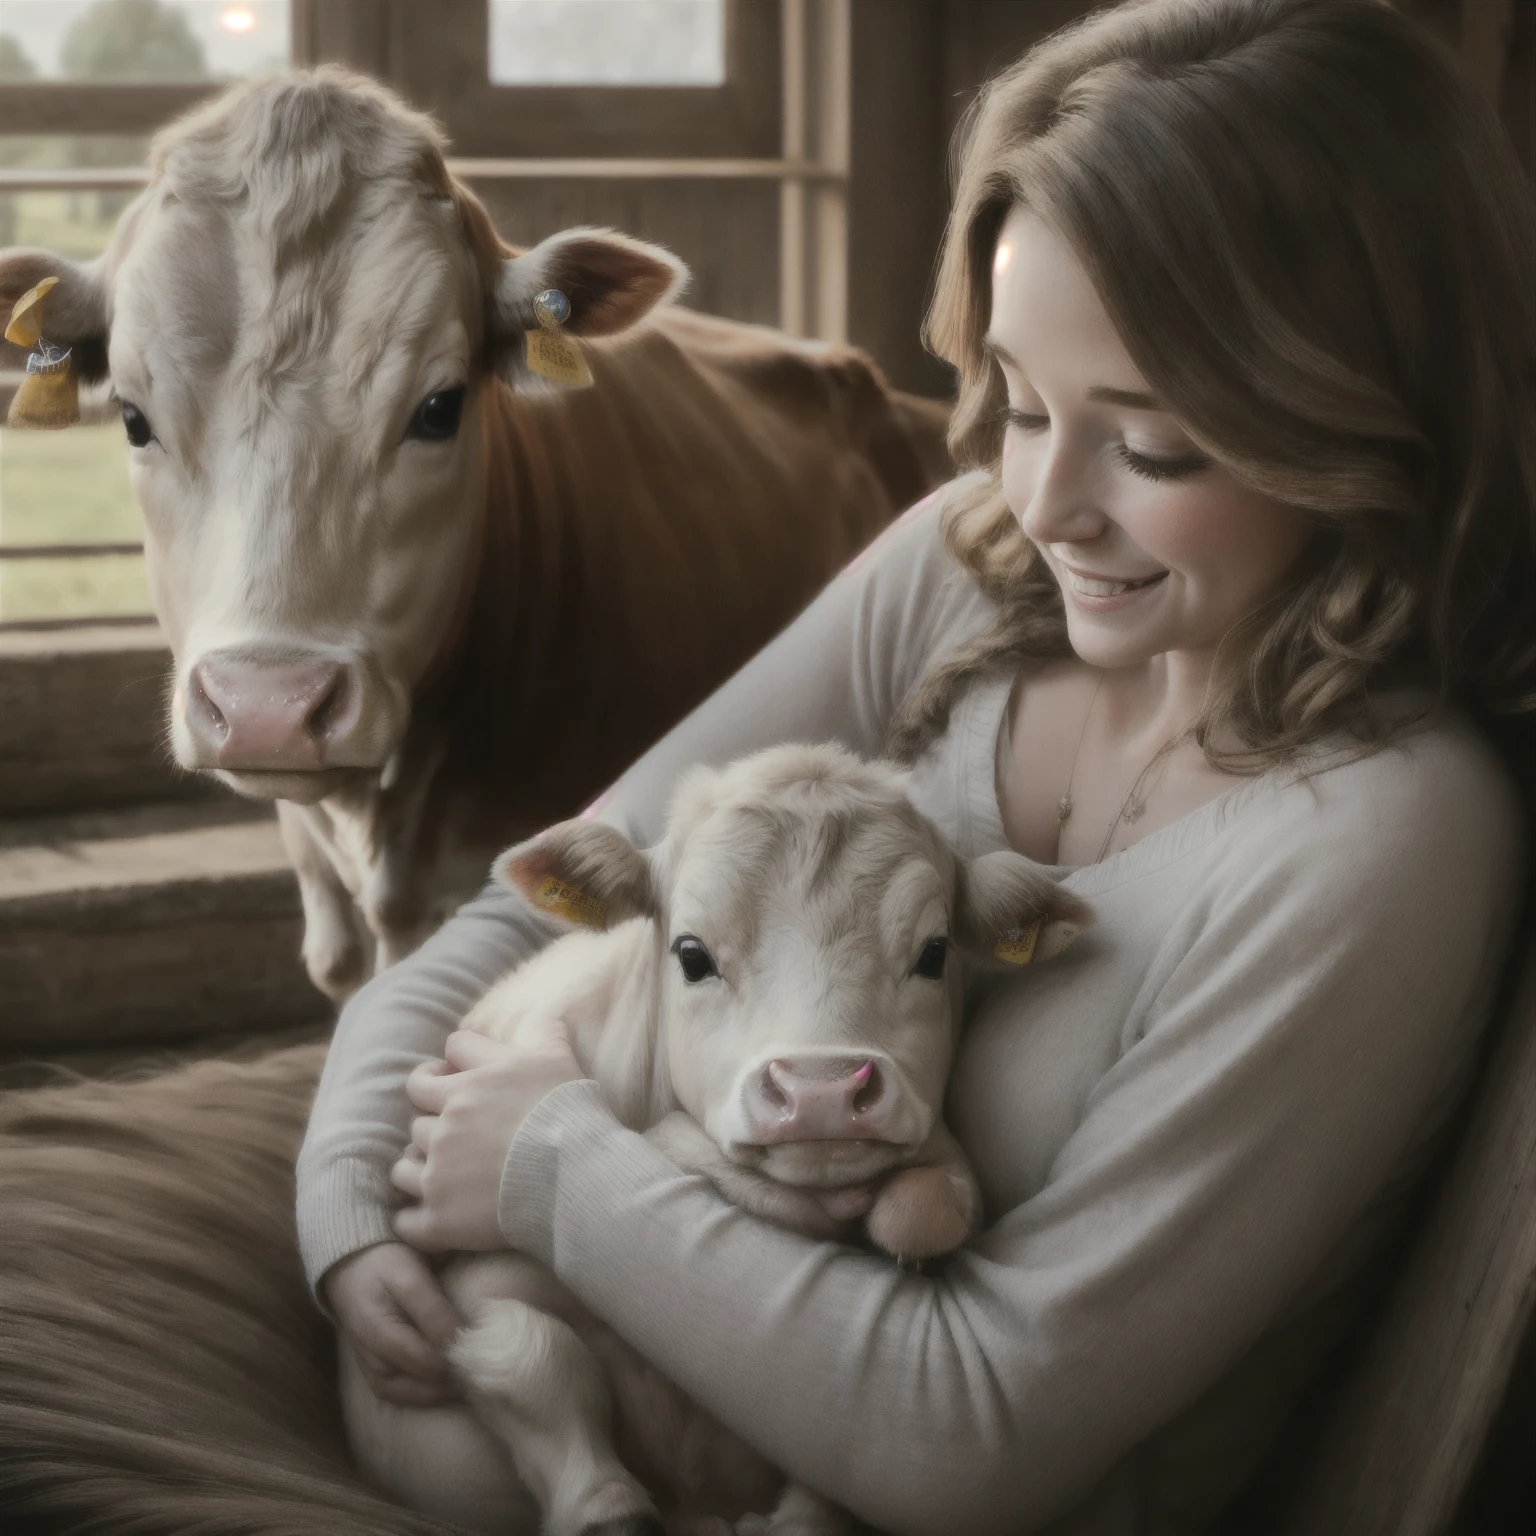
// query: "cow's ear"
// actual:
[[611, 281], [584, 873], [73, 314], [1008, 909]]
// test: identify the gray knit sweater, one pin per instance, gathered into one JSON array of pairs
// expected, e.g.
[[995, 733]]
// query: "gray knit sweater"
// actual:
[[1191, 1130]]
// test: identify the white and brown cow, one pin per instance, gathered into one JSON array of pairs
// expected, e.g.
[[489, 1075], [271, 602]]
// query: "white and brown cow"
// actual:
[[769, 995], [424, 605]]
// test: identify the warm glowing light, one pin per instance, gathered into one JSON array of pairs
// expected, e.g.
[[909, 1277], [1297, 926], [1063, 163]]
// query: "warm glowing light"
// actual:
[[238, 18], [1002, 258]]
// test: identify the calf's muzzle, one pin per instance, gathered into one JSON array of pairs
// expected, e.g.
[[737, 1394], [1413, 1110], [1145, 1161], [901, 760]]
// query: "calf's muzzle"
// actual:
[[250, 716], [819, 1099]]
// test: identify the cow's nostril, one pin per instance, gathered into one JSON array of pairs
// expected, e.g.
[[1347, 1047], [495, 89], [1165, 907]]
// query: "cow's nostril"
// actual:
[[205, 705], [328, 707], [870, 1088]]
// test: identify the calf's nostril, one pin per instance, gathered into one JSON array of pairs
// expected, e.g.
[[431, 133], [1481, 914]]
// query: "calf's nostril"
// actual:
[[868, 1089], [203, 704], [772, 1091], [327, 709]]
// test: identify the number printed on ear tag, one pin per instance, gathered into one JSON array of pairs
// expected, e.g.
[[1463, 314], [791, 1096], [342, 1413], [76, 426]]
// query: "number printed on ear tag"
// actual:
[[554, 895], [1017, 946]]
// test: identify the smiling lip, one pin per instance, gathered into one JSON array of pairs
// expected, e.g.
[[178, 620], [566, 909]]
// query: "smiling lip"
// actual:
[[1087, 584]]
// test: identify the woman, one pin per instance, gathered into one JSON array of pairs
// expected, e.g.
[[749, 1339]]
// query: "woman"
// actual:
[[1222, 623]]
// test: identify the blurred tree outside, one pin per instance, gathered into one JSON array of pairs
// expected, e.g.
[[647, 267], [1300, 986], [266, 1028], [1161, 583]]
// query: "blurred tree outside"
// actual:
[[126, 40], [14, 150]]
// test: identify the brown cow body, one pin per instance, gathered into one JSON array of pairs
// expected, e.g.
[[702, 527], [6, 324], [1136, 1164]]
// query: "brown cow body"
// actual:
[[640, 540]]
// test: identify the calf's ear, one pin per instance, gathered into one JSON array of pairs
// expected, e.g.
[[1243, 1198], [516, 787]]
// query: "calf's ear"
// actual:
[[583, 873], [73, 314], [1008, 909]]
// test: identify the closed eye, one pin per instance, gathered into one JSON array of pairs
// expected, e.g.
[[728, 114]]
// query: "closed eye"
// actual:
[[695, 960], [1152, 468], [1025, 421], [930, 962]]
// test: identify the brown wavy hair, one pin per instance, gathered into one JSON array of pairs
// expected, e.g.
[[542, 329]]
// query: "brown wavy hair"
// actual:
[[1316, 244]]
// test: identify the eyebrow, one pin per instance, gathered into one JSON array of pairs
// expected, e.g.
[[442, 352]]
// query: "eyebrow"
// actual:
[[1136, 399]]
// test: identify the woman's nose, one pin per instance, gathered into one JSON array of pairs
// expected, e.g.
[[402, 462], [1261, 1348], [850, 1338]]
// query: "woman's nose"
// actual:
[[1063, 505]]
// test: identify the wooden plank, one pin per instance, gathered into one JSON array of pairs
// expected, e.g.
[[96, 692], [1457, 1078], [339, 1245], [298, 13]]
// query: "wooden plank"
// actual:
[[1405, 1433], [117, 934], [68, 106], [82, 720]]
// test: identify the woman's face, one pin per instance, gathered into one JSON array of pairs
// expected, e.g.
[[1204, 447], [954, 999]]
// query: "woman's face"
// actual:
[[1156, 548]]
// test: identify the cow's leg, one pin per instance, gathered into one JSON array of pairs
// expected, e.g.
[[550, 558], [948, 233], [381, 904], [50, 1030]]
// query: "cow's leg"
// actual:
[[531, 1378], [800, 1513], [336, 953]]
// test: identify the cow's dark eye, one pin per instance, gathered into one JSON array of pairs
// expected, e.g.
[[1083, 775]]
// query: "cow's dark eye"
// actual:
[[437, 417], [696, 961], [137, 425], [930, 964]]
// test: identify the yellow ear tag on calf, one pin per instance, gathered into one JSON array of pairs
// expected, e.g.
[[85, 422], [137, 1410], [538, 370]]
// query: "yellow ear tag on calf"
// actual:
[[552, 355], [49, 396], [1017, 946], [554, 895]]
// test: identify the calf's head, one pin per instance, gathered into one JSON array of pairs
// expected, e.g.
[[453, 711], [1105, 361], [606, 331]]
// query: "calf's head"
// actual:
[[808, 1004], [304, 316]]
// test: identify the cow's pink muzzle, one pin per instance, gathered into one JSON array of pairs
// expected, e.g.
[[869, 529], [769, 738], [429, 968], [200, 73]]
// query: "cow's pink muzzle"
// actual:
[[253, 717], [819, 1099]]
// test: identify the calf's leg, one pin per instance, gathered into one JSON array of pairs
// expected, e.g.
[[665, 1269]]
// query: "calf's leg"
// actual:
[[443, 1462]]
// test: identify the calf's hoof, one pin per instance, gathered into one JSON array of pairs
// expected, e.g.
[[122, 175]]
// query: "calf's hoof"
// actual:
[[918, 1215], [626, 1525]]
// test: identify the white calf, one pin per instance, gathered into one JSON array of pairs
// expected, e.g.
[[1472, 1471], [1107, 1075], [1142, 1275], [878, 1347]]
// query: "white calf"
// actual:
[[767, 995]]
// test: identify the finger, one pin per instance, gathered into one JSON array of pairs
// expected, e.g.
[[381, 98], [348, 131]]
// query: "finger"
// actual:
[[400, 1346], [414, 1226], [427, 1305], [421, 1133], [427, 1086], [407, 1176], [465, 1048]]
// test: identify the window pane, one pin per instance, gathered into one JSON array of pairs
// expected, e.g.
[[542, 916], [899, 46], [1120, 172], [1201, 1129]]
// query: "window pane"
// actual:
[[69, 487], [79, 224], [607, 42], [142, 39]]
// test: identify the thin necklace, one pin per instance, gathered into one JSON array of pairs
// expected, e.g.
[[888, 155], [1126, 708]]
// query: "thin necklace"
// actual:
[[1064, 805], [1134, 806]]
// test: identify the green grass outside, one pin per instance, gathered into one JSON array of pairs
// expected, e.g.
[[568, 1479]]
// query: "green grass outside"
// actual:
[[68, 487]]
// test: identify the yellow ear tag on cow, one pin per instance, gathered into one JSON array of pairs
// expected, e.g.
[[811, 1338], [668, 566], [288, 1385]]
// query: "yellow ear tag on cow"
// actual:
[[49, 396], [551, 354], [554, 895], [1017, 946]]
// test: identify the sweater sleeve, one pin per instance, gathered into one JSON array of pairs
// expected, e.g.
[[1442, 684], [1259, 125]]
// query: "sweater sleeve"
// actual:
[[836, 674], [1311, 1011]]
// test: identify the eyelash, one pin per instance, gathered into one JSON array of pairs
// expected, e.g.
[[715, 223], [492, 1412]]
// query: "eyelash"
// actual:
[[1138, 463]]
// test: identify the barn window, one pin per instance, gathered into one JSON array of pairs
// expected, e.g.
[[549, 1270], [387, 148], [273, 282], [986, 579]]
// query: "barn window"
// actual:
[[607, 42]]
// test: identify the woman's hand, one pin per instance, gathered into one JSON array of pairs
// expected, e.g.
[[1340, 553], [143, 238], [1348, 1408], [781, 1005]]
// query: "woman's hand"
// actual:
[[398, 1321], [472, 1104]]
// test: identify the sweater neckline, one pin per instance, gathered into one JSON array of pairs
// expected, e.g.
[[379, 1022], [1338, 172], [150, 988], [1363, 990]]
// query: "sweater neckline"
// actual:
[[985, 736]]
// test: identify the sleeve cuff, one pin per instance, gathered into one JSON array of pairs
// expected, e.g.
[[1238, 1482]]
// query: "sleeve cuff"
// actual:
[[572, 1115], [346, 1207]]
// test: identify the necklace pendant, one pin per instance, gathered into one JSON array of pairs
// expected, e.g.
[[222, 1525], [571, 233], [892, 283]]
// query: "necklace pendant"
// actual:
[[1064, 807], [1135, 809]]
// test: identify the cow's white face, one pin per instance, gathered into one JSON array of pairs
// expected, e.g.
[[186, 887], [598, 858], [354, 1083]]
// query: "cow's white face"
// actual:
[[306, 321], [307, 451], [809, 1003]]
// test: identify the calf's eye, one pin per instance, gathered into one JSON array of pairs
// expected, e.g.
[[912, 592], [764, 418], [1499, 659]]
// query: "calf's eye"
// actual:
[[930, 963], [136, 424], [437, 417], [696, 961]]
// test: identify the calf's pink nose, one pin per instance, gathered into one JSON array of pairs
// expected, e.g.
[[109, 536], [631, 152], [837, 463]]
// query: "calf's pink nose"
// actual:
[[246, 716], [819, 1100]]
